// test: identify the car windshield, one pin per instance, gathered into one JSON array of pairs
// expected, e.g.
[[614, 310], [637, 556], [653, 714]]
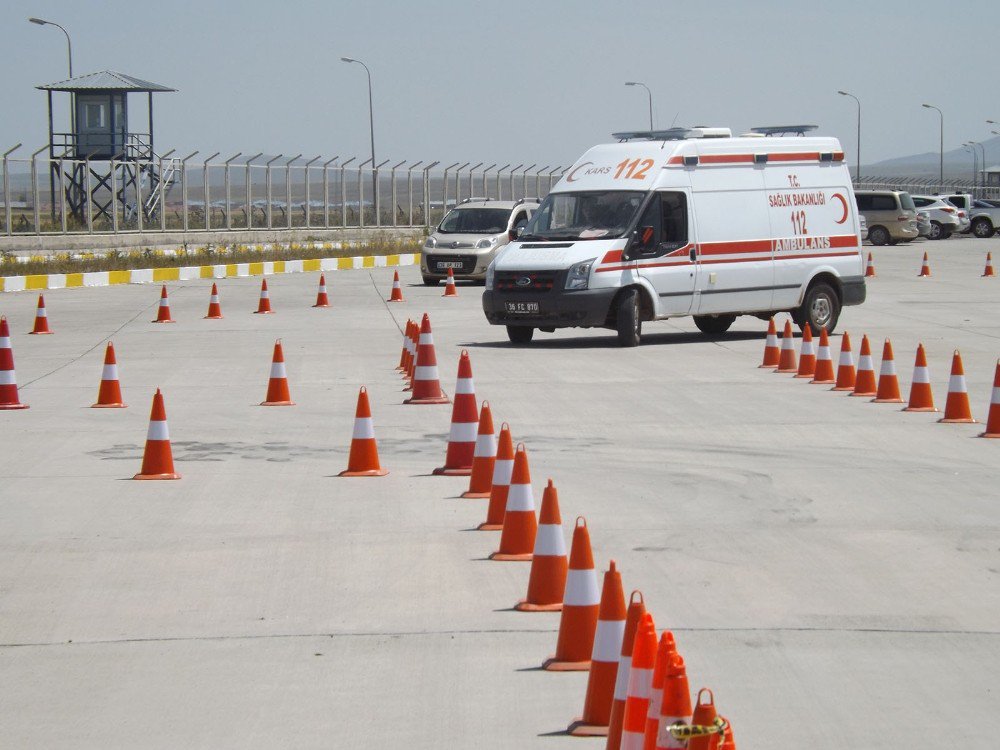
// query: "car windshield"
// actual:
[[584, 216], [475, 221], [906, 202]]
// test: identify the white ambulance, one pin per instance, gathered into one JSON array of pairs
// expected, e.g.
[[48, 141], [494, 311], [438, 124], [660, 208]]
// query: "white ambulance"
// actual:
[[686, 222]]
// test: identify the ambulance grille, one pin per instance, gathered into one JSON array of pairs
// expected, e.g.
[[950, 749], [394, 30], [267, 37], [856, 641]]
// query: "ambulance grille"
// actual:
[[525, 281]]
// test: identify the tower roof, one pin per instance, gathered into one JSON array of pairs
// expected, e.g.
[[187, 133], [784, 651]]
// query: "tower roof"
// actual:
[[106, 80]]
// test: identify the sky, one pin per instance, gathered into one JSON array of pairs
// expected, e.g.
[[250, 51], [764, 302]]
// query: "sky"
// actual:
[[536, 82]]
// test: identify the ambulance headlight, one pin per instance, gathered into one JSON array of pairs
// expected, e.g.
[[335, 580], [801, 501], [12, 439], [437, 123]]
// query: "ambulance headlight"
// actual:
[[490, 273], [579, 275], [431, 243]]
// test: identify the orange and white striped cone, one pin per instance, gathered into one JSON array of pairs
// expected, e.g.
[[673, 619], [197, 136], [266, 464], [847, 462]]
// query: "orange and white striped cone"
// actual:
[[845, 366], [517, 537], [888, 381], [787, 362], [581, 605], [988, 271], [704, 715], [603, 659], [396, 295], [426, 381], [363, 459], [481, 476], [277, 384], [8, 379], [807, 355], [640, 684], [214, 306], [993, 419], [157, 458], [163, 311], [322, 299], [870, 268], [41, 319], [464, 424], [675, 707], [264, 305], [728, 741], [547, 579], [666, 648], [109, 395], [921, 395], [864, 379], [411, 355], [449, 287], [925, 268], [636, 611], [403, 351], [503, 469], [956, 408], [772, 352], [823, 374]]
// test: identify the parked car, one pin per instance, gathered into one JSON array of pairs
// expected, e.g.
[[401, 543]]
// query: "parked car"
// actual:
[[963, 202], [924, 225], [985, 218], [890, 214], [943, 216]]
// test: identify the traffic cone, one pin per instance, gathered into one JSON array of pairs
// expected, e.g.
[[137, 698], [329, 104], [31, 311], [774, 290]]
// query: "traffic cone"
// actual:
[[728, 741], [870, 268], [8, 380], [411, 355], [464, 423], [547, 580], [925, 268], [845, 367], [403, 351], [264, 305], [481, 476], [988, 271], [449, 287], [503, 467], [640, 681], [675, 708], [397, 291], [277, 384], [956, 408], [41, 318], [322, 300], [109, 396], [807, 355], [517, 537], [823, 374], [426, 382], [603, 659], [772, 352], [921, 395], [214, 306], [993, 419], [888, 381], [581, 603], [787, 361], [163, 312], [636, 611], [666, 648], [864, 381], [157, 458], [363, 460], [704, 715]]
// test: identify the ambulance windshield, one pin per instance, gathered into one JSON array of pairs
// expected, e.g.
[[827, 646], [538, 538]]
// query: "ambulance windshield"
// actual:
[[590, 215]]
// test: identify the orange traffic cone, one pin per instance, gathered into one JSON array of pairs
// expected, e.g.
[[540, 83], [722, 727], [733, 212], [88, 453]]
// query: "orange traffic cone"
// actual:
[[277, 384], [772, 352], [993, 419], [412, 359], [728, 742], [870, 268], [397, 291], [603, 659], [988, 271], [41, 318], [481, 476], [503, 468], [807, 355], [664, 651], [426, 382], [109, 396], [8, 380], [214, 306], [640, 681], [636, 611], [787, 361], [322, 300], [163, 311], [956, 408], [921, 395], [925, 268], [845, 366], [404, 350], [581, 602], [547, 579], [264, 305], [675, 708], [363, 460], [704, 715], [864, 381], [449, 287], [464, 424], [157, 458], [823, 374], [888, 382], [517, 537]]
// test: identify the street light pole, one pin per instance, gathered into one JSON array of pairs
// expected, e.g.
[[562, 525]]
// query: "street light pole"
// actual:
[[975, 161], [857, 174], [941, 115], [649, 93], [371, 120], [69, 43]]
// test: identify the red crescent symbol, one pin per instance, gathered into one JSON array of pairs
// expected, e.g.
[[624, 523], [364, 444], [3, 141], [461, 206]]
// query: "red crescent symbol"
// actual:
[[570, 177], [843, 202]]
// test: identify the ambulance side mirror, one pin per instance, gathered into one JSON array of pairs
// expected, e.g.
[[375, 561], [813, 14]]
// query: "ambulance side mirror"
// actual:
[[642, 242]]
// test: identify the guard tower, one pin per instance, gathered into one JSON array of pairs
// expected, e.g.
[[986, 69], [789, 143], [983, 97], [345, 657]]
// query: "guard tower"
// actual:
[[106, 170]]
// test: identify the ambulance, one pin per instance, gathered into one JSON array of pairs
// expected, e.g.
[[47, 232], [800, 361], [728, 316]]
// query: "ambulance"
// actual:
[[686, 221]]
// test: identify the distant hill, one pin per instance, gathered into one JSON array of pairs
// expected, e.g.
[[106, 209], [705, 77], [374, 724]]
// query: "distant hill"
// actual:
[[957, 163]]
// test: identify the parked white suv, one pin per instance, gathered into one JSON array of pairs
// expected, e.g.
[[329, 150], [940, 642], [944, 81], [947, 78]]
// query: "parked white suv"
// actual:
[[943, 215]]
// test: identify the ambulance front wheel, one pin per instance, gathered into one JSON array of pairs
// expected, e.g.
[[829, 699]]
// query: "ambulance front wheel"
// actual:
[[520, 335], [628, 320], [820, 309], [714, 324]]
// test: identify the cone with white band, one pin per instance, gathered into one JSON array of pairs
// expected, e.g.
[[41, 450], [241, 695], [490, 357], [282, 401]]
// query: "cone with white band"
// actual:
[[636, 611], [772, 350], [363, 459], [704, 714], [807, 355], [449, 287], [517, 537], [956, 408], [411, 356], [163, 311], [41, 318], [8, 379], [503, 468], [988, 271], [484, 457], [426, 381], [666, 649], [403, 351], [925, 268], [675, 706], [264, 305], [214, 305], [109, 396], [397, 290], [870, 268], [581, 605], [864, 378], [277, 384], [157, 458], [322, 300], [921, 395], [640, 681], [993, 419], [464, 424], [823, 374], [888, 381], [845, 366], [787, 363], [547, 580]]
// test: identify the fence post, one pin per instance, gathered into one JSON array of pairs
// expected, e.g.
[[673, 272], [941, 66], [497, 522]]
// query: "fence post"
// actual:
[[392, 192], [207, 189], [426, 193], [486, 190], [343, 193], [87, 196], [267, 182], [499, 182], [326, 192], [471, 172], [35, 197], [288, 191], [361, 193], [229, 191], [409, 191], [184, 189], [161, 199], [308, 212], [458, 185], [377, 187], [6, 189]]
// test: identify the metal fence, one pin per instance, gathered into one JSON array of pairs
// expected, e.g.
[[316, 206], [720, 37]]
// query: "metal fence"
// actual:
[[927, 186]]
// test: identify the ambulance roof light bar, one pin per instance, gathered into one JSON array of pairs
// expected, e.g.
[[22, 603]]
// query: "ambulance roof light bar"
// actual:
[[770, 130], [671, 134]]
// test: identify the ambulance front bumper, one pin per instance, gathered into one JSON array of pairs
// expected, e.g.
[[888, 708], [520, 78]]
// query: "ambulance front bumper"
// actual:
[[552, 309]]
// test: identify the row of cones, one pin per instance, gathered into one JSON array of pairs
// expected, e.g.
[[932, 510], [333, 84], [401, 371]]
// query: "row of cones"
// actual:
[[925, 267]]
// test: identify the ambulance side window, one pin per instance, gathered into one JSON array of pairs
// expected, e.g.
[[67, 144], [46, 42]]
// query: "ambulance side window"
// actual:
[[674, 232]]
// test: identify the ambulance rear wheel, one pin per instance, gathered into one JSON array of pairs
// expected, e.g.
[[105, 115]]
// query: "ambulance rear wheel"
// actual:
[[628, 320], [520, 335], [820, 309], [714, 324]]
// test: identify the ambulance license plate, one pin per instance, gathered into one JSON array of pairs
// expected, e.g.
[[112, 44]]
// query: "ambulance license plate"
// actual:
[[444, 265], [522, 308]]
